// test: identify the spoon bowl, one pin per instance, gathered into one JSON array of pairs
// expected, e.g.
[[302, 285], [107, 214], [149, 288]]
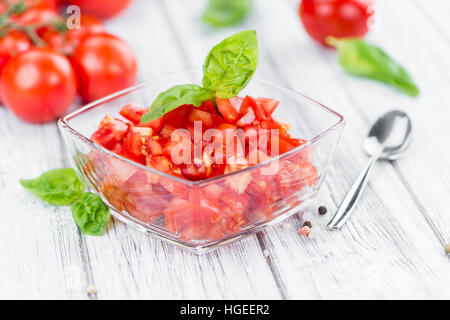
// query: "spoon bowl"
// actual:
[[390, 136]]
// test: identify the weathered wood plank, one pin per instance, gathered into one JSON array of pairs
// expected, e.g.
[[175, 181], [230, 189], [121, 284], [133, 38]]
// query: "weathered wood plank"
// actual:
[[39, 244]]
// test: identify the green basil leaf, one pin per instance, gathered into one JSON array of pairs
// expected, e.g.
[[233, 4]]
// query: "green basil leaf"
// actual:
[[175, 97], [360, 58], [223, 13], [230, 65], [90, 214], [59, 187]]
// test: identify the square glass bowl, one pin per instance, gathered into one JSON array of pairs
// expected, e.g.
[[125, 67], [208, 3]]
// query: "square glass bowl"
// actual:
[[206, 214]]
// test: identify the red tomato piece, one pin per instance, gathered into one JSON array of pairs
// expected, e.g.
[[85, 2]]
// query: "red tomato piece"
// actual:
[[154, 147], [227, 109], [247, 119], [268, 105], [249, 102], [176, 117], [207, 119], [133, 113], [136, 140], [208, 106], [110, 132], [159, 163]]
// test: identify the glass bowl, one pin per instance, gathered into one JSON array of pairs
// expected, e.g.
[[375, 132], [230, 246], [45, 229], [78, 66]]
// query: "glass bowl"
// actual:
[[205, 214]]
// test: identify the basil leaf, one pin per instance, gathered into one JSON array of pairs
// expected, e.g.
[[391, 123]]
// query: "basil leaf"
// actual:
[[230, 65], [360, 58], [90, 214], [175, 97], [223, 13], [59, 187]]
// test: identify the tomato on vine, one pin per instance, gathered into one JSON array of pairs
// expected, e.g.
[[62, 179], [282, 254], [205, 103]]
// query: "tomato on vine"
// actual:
[[104, 65], [66, 41], [99, 9], [38, 85]]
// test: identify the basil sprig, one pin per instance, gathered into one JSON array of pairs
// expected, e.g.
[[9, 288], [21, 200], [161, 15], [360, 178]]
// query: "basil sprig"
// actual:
[[59, 187], [228, 68], [230, 65], [90, 214], [63, 187], [223, 13], [363, 59]]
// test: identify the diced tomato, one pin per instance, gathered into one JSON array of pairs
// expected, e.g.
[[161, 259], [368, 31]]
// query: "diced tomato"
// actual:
[[154, 147], [247, 119], [110, 131], [268, 105], [208, 212], [194, 172], [174, 187], [227, 109], [175, 118], [236, 102], [183, 152], [166, 131], [155, 124], [207, 119], [178, 214], [137, 140], [213, 190], [159, 163], [294, 176], [208, 106], [133, 113], [249, 102]]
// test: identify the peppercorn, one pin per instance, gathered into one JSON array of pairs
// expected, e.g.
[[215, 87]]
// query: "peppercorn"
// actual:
[[307, 224], [447, 248], [322, 210]]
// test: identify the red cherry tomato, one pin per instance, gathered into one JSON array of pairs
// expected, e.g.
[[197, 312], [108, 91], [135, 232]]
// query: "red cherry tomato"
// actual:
[[41, 12], [99, 8], [104, 64], [38, 85], [68, 41], [12, 44], [337, 18]]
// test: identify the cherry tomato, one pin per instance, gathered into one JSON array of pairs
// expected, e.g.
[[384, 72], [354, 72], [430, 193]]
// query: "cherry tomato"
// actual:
[[38, 85], [12, 44], [68, 41], [104, 64], [99, 8], [337, 18], [41, 12]]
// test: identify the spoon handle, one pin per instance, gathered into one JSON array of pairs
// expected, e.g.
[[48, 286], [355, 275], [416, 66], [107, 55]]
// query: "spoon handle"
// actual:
[[351, 198]]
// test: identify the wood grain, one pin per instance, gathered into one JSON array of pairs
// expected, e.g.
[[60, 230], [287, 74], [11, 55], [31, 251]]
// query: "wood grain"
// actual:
[[387, 249]]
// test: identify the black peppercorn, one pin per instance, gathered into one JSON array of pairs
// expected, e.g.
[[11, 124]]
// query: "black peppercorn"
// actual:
[[322, 210], [307, 224]]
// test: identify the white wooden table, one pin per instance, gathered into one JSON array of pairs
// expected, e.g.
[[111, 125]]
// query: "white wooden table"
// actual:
[[391, 248]]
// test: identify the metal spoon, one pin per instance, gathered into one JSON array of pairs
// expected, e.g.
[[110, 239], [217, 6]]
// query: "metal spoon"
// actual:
[[387, 140]]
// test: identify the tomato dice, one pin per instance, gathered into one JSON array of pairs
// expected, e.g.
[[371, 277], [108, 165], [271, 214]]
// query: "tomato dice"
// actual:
[[207, 118], [245, 134], [227, 110], [268, 105], [110, 132]]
